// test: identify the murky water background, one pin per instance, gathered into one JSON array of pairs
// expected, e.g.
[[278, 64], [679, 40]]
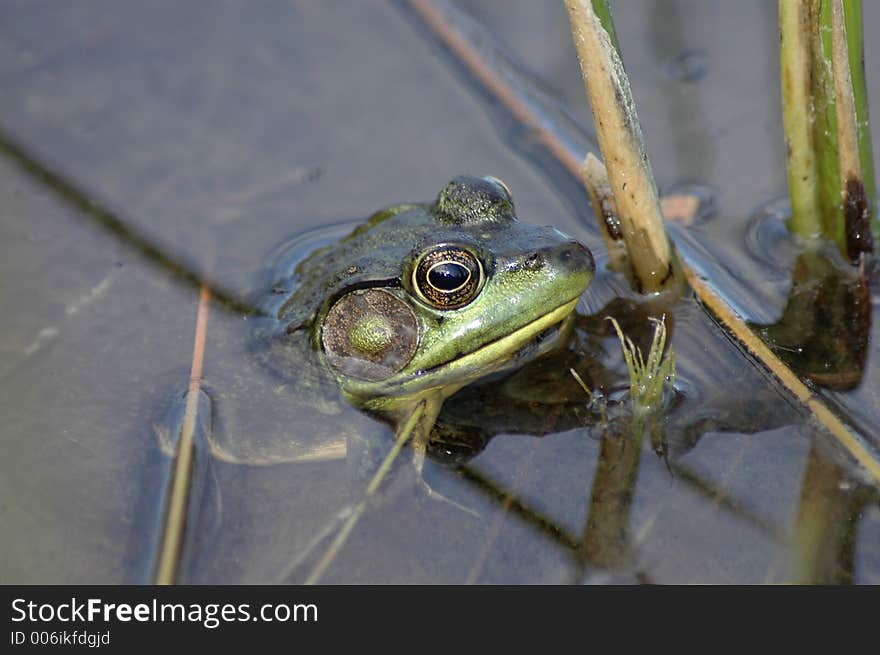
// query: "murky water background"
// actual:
[[206, 139]]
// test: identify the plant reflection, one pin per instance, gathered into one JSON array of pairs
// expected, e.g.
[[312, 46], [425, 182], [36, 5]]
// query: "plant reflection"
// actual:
[[829, 511], [824, 328]]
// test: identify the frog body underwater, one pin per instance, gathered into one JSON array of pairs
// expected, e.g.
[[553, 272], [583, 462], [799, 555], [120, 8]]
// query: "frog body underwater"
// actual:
[[422, 300]]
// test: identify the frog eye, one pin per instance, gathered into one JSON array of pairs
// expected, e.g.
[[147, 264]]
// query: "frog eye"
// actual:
[[448, 277]]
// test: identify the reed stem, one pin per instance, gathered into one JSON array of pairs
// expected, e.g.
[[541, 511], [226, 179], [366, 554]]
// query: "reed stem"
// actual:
[[825, 117], [622, 145]]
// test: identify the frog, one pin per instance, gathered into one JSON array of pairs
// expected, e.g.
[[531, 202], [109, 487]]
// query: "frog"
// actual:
[[418, 302]]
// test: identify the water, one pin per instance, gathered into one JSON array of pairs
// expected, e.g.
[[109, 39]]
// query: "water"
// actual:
[[214, 152]]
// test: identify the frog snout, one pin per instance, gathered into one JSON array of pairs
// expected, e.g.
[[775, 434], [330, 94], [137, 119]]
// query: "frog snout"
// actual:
[[571, 257], [574, 256]]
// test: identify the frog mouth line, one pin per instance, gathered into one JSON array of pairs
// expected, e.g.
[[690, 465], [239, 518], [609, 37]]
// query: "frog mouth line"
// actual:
[[522, 342], [507, 351], [517, 345], [541, 340]]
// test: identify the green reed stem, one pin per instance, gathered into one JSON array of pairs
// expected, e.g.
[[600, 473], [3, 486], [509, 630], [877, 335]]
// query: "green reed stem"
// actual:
[[825, 116]]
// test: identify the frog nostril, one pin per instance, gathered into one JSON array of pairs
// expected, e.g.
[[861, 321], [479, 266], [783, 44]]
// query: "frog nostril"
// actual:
[[533, 261], [576, 255]]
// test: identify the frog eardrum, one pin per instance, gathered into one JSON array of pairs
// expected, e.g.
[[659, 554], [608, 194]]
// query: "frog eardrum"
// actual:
[[447, 277], [370, 334]]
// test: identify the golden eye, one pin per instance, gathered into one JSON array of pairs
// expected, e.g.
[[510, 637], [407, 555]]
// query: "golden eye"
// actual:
[[447, 277]]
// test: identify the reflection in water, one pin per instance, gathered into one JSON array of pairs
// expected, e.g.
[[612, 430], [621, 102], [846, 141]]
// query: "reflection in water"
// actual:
[[831, 505], [189, 499], [824, 329], [606, 539]]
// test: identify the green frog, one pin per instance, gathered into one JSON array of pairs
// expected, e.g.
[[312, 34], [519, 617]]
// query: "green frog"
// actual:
[[420, 301], [454, 320]]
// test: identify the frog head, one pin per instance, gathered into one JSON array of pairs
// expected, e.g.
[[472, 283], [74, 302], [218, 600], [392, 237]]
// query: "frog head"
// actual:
[[424, 299]]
